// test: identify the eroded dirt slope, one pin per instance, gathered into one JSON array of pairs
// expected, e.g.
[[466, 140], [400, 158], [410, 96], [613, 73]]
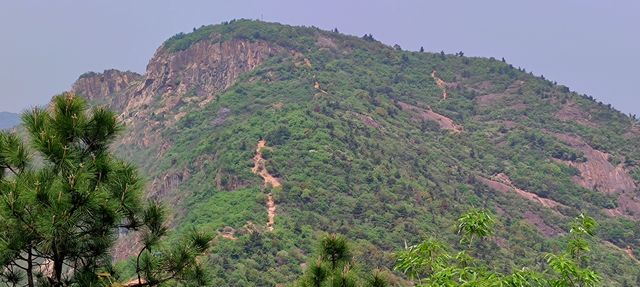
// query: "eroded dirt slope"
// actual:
[[260, 169]]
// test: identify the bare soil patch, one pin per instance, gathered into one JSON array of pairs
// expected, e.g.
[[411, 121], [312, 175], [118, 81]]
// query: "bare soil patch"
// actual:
[[542, 227], [269, 180], [430, 115], [441, 84], [260, 169], [572, 112], [501, 182]]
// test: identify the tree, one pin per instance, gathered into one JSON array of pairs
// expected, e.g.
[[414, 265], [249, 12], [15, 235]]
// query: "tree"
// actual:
[[334, 249], [334, 267], [431, 264], [475, 224], [421, 49], [59, 214]]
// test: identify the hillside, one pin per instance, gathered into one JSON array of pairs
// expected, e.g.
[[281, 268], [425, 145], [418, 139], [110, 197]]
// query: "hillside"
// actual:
[[9, 120], [272, 135]]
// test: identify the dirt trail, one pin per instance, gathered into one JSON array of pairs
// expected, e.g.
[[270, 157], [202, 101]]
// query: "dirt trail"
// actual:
[[441, 84], [271, 212], [260, 169], [134, 282], [502, 182]]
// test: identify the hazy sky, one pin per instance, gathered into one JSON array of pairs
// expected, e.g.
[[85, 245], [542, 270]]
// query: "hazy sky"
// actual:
[[591, 46]]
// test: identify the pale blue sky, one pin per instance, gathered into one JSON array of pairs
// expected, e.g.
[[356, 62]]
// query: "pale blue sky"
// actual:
[[591, 46]]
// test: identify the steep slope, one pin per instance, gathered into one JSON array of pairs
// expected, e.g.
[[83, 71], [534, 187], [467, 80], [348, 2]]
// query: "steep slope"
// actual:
[[381, 145], [9, 120]]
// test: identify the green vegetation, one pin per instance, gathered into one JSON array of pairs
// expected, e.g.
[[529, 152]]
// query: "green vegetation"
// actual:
[[430, 263], [433, 263], [59, 217], [335, 267], [354, 160]]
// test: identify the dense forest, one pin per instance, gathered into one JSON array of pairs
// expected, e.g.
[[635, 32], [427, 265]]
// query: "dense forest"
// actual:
[[272, 139]]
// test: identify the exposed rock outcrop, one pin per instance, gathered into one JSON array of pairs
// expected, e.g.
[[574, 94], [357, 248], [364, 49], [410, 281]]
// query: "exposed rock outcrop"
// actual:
[[430, 115], [173, 79], [110, 87], [572, 112], [599, 174], [501, 182], [197, 74]]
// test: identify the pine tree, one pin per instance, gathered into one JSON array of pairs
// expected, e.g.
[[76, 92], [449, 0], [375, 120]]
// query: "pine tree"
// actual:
[[334, 267], [59, 215]]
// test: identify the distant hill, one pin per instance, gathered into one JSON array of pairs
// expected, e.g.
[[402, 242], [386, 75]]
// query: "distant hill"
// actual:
[[9, 120], [272, 135]]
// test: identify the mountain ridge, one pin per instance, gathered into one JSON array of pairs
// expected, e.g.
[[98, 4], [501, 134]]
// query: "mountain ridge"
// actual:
[[355, 126], [9, 120]]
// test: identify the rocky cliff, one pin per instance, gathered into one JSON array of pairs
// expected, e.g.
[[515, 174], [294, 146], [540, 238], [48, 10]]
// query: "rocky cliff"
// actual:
[[111, 87]]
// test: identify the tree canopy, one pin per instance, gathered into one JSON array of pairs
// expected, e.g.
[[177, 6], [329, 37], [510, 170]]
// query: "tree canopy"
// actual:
[[64, 196]]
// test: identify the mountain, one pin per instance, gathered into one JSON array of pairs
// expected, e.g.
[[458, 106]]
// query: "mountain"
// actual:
[[272, 135], [9, 120]]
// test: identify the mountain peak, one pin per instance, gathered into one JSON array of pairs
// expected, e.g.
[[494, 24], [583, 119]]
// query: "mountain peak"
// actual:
[[364, 139]]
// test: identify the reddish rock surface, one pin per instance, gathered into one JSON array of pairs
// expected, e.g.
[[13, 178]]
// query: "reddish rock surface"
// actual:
[[542, 227], [430, 115], [599, 174], [501, 182]]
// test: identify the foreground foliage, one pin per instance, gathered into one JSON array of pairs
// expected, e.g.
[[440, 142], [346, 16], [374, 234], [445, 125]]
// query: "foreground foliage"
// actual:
[[335, 267], [431, 263], [64, 198]]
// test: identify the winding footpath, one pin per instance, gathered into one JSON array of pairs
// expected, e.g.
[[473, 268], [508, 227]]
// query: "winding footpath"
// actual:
[[441, 84], [269, 180]]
